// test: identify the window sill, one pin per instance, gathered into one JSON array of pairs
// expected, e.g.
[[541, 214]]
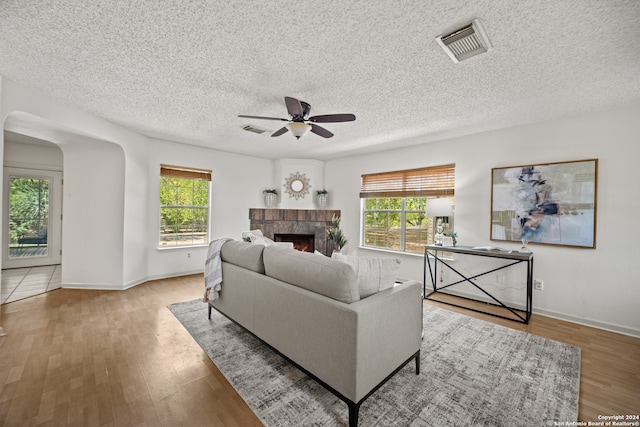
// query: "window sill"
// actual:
[[411, 254], [171, 248], [390, 251]]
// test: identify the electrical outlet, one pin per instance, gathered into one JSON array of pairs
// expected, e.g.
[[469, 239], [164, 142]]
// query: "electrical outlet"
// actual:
[[188, 255], [538, 284]]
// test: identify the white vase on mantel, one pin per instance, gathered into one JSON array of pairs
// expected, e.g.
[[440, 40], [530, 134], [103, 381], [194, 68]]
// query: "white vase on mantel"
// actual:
[[322, 201], [270, 200]]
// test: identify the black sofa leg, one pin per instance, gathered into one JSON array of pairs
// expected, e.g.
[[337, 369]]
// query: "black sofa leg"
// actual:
[[417, 361], [354, 408], [209, 311]]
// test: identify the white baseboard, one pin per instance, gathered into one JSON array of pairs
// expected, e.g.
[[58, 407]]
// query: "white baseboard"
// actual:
[[624, 330], [169, 276], [92, 286], [127, 285], [136, 282], [555, 315]]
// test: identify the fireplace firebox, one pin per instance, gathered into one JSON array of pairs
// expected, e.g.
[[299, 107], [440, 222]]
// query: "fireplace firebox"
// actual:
[[301, 242]]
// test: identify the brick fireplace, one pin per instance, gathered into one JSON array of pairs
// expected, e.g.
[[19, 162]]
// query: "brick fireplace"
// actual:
[[296, 225]]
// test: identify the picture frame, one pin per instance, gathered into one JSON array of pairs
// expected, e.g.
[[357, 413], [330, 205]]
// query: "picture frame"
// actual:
[[547, 203]]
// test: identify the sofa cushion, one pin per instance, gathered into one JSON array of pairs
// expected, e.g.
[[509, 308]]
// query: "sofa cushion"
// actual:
[[373, 274], [315, 273], [244, 255]]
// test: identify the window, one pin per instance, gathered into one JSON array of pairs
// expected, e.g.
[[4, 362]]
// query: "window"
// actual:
[[184, 206], [394, 207]]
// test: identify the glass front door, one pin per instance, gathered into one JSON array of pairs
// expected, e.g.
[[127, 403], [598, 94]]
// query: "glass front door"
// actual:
[[32, 234]]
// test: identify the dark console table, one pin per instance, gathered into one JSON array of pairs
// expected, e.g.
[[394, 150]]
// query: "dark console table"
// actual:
[[433, 255]]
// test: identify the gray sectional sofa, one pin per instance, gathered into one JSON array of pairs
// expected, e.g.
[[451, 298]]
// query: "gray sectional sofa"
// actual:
[[308, 308]]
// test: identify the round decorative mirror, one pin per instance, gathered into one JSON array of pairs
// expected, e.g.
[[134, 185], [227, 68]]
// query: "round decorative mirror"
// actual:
[[297, 185]]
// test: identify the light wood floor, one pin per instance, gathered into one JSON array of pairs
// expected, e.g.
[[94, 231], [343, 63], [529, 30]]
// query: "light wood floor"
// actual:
[[120, 358], [20, 283]]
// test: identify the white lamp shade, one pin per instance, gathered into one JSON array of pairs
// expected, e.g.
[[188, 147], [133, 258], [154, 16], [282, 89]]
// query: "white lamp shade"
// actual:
[[298, 129], [439, 207]]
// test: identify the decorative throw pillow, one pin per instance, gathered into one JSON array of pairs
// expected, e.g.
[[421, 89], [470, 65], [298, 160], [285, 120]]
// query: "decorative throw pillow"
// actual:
[[256, 236], [249, 236], [265, 241], [373, 274]]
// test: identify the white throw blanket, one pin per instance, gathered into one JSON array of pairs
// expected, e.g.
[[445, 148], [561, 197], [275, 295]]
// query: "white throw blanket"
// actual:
[[213, 270]]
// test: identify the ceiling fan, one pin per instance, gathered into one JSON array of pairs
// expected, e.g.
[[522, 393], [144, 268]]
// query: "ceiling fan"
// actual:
[[299, 122]]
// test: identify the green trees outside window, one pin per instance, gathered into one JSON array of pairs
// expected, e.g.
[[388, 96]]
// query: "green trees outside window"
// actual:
[[397, 223], [184, 211], [28, 211]]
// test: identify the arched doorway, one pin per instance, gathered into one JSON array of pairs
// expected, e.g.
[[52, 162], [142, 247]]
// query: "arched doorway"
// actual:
[[32, 221]]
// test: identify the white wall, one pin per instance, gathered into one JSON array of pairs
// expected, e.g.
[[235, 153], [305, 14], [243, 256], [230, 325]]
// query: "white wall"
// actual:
[[593, 286], [313, 170], [136, 211], [93, 206], [237, 184], [31, 156]]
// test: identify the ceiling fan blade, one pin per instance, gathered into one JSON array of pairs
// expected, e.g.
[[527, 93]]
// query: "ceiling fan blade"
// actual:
[[280, 131], [332, 118], [293, 106], [262, 117], [320, 131]]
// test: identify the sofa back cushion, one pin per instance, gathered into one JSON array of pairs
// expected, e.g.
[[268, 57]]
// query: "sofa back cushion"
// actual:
[[373, 274], [316, 273], [243, 254]]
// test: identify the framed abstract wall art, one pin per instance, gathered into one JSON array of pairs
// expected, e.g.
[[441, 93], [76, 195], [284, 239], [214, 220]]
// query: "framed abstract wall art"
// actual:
[[552, 203]]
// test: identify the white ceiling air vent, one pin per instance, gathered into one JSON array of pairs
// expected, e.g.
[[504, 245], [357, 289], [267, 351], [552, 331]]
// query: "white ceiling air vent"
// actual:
[[255, 129], [465, 42]]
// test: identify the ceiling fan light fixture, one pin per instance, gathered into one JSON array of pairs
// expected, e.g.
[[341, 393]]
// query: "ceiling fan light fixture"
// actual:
[[298, 120], [298, 129]]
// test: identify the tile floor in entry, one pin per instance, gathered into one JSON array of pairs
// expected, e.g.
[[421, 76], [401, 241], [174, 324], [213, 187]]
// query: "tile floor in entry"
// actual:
[[19, 283]]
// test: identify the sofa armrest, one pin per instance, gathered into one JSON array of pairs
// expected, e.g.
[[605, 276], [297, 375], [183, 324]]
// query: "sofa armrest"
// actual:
[[389, 331]]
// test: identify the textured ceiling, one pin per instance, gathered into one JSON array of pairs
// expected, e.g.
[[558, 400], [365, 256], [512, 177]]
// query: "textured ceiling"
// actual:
[[183, 70]]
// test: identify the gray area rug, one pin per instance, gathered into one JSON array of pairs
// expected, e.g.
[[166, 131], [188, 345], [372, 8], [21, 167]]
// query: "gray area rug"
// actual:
[[473, 373]]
